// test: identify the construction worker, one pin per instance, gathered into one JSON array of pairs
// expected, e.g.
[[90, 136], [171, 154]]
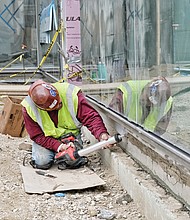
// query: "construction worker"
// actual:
[[146, 102], [52, 110]]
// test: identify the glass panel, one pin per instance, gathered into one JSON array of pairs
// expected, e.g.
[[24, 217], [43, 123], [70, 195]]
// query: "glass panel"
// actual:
[[138, 51], [20, 34], [30, 33], [48, 24]]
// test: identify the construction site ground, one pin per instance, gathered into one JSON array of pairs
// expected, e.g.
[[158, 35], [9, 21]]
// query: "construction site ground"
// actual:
[[110, 201]]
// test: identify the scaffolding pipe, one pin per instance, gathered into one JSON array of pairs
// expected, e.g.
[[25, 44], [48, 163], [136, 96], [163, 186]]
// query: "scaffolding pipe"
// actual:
[[158, 47]]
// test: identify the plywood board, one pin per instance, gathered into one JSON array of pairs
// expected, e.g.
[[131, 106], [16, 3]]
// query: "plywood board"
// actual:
[[65, 180]]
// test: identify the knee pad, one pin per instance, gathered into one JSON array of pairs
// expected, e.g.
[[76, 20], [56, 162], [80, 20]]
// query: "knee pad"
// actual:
[[42, 167]]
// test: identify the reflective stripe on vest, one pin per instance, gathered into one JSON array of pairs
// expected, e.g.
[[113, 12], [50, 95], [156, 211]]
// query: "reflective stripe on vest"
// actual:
[[71, 105], [127, 99], [70, 91], [35, 110], [131, 94]]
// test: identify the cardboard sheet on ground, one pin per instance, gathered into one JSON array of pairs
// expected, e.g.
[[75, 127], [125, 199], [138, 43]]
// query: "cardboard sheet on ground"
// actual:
[[65, 180]]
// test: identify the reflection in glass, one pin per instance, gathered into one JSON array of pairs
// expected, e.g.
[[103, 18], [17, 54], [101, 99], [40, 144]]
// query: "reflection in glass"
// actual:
[[145, 102], [139, 40]]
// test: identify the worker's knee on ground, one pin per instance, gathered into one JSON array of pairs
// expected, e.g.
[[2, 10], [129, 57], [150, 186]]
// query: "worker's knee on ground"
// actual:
[[43, 161], [42, 158], [44, 166]]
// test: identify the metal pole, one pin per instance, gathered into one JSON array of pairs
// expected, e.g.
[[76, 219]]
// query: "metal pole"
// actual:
[[63, 36], [158, 46], [37, 32], [115, 139], [61, 21]]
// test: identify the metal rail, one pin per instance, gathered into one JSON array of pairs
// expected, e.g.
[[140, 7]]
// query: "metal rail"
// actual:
[[139, 131]]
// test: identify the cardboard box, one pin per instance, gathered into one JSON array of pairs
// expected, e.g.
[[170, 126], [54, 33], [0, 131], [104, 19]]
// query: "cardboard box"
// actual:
[[12, 121]]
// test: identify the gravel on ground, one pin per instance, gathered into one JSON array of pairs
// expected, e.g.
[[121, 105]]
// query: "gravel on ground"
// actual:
[[110, 201]]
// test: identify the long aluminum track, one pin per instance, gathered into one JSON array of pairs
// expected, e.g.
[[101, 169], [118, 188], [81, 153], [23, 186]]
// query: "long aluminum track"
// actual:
[[136, 130]]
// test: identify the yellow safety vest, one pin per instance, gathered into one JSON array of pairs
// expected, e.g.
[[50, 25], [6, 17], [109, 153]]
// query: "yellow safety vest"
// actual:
[[67, 121], [133, 109]]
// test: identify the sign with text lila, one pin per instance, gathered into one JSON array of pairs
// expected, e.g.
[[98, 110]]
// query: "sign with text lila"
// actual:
[[73, 40]]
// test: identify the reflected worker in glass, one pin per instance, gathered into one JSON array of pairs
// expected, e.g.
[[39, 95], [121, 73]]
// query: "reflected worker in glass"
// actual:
[[146, 102]]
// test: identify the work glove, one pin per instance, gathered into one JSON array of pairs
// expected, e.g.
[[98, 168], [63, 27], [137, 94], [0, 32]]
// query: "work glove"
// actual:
[[67, 159], [63, 146]]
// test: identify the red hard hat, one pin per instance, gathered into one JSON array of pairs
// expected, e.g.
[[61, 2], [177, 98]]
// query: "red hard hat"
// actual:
[[44, 95]]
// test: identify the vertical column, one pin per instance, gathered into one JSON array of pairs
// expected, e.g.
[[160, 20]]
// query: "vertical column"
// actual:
[[73, 41]]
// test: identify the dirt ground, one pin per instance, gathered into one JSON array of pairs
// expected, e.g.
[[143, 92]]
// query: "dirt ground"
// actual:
[[104, 202]]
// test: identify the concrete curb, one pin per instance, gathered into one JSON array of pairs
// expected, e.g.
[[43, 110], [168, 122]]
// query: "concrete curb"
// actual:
[[152, 199]]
